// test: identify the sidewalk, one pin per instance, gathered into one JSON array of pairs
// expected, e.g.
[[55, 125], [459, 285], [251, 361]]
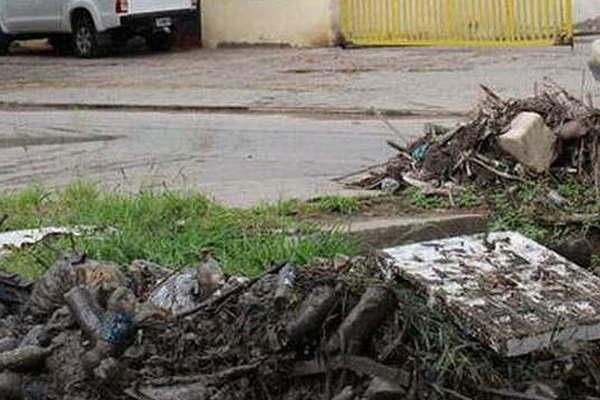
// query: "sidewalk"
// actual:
[[428, 80]]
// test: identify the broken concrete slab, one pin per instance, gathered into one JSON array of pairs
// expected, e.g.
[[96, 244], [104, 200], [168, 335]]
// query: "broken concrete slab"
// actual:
[[511, 293], [530, 141]]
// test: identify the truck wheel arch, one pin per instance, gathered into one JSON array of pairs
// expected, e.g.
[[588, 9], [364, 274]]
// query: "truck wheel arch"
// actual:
[[78, 9]]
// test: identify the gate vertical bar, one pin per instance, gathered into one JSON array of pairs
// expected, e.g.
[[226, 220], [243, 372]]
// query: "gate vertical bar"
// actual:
[[456, 22]]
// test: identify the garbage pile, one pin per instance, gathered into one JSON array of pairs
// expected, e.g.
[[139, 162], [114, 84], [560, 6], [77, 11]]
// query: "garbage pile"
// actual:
[[91, 330], [507, 142], [347, 328]]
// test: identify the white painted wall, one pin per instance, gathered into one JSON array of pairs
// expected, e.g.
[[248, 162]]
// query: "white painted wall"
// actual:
[[585, 9], [290, 22]]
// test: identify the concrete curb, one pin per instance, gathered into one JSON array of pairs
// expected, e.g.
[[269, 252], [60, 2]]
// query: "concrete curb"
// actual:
[[216, 109], [386, 232]]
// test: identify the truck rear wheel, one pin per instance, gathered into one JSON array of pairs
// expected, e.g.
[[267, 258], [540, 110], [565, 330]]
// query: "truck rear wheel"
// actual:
[[4, 43], [85, 37]]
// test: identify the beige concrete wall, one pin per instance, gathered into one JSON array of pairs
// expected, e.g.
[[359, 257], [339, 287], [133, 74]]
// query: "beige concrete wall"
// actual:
[[290, 22], [586, 9]]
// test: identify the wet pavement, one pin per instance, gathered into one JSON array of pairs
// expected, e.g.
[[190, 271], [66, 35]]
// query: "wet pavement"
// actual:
[[284, 136], [429, 79], [238, 159]]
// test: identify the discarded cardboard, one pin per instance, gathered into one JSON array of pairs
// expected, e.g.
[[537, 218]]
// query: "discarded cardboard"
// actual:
[[508, 291]]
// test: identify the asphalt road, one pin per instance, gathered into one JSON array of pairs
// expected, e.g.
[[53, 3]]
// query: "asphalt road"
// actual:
[[238, 159], [431, 79], [245, 158]]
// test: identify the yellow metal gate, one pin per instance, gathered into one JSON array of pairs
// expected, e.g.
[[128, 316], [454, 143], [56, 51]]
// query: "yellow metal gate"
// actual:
[[457, 22]]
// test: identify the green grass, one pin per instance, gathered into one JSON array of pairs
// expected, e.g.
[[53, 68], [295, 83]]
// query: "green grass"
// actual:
[[336, 204], [448, 354], [527, 208], [321, 205], [166, 227], [424, 201], [518, 214]]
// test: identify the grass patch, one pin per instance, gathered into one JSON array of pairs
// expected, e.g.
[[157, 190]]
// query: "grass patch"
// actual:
[[332, 206], [336, 204], [539, 210], [166, 227], [451, 358]]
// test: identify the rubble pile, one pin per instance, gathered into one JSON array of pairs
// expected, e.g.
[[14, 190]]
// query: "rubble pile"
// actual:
[[508, 141]]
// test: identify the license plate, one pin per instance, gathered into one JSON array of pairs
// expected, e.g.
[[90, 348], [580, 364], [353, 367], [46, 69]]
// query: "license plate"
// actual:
[[162, 22]]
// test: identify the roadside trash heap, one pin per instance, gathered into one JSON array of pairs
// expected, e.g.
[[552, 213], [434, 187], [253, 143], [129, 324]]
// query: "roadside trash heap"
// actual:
[[92, 330], [508, 142], [361, 327]]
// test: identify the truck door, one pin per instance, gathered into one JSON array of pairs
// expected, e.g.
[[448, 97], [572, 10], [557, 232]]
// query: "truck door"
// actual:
[[24, 16]]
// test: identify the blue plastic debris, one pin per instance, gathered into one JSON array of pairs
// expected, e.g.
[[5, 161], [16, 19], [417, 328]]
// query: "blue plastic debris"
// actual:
[[418, 153], [118, 328]]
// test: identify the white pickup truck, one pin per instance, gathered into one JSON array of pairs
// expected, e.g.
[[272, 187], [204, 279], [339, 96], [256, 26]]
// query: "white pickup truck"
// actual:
[[89, 27]]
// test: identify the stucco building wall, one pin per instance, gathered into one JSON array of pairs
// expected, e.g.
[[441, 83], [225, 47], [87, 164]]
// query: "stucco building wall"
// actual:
[[282, 22]]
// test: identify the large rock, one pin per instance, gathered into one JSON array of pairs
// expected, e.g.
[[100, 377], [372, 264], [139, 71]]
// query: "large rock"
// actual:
[[530, 141]]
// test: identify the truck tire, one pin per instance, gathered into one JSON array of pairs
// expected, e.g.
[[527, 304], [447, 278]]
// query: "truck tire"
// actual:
[[4, 43], [85, 37], [63, 44], [159, 41]]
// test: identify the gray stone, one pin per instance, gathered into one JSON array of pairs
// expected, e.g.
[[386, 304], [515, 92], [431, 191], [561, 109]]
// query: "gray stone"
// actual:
[[530, 141], [572, 130]]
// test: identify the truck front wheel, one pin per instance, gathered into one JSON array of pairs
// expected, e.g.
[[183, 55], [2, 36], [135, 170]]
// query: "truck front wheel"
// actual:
[[85, 37]]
